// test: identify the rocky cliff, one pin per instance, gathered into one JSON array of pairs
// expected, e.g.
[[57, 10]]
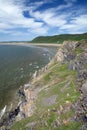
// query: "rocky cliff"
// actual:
[[56, 97]]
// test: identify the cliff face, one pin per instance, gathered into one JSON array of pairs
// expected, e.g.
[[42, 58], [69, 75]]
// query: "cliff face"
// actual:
[[56, 98]]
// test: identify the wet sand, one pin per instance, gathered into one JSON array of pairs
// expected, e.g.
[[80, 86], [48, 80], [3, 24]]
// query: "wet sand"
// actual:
[[31, 44]]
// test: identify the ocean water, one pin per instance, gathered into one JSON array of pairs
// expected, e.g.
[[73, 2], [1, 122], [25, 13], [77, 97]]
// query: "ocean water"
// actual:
[[17, 63]]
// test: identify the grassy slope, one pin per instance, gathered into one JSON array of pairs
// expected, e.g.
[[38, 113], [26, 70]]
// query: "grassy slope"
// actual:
[[59, 38], [60, 82]]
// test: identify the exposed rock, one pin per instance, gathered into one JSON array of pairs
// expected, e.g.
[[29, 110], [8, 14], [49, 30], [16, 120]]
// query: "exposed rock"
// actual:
[[66, 54], [35, 74], [56, 124], [50, 101], [84, 127], [75, 65], [2, 112], [27, 107], [84, 88], [21, 93], [82, 75], [59, 56], [9, 119], [31, 124], [81, 107], [70, 45]]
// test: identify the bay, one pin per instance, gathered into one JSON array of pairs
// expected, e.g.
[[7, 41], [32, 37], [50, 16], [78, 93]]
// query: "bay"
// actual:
[[17, 64]]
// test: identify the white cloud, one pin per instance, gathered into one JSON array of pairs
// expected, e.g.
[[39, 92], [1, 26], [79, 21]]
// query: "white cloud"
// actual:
[[49, 18], [77, 24], [72, 22], [11, 16], [80, 20], [63, 17], [40, 31], [67, 5], [53, 17]]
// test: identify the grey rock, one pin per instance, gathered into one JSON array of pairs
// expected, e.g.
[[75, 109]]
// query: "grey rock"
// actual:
[[50, 101], [84, 127]]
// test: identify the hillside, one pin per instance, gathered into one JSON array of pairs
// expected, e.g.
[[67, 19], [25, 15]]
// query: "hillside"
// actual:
[[59, 38], [56, 98]]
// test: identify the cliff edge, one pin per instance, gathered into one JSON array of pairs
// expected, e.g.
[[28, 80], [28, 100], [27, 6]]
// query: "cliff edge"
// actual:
[[56, 97]]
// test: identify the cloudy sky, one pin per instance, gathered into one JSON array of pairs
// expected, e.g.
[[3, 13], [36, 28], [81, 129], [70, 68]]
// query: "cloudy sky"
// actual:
[[26, 19]]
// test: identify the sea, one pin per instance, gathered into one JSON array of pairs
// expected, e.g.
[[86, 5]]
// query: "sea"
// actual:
[[17, 64]]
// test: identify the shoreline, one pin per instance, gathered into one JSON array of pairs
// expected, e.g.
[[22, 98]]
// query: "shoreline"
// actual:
[[45, 44], [26, 45], [15, 114], [26, 105], [32, 44]]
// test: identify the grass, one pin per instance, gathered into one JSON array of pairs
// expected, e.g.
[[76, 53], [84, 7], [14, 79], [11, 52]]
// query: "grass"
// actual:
[[57, 78]]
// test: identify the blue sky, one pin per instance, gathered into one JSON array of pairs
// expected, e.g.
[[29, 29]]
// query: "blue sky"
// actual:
[[22, 20]]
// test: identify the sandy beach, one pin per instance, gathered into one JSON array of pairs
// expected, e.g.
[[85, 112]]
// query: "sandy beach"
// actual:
[[45, 44], [31, 44]]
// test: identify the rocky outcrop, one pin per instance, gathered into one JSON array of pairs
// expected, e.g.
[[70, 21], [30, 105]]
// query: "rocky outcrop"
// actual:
[[59, 56], [27, 107], [71, 45], [76, 57], [9, 118], [81, 106], [74, 54], [66, 53], [3, 112]]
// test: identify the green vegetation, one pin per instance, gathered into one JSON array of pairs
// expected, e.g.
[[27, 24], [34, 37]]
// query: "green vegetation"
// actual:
[[61, 82], [59, 38], [55, 102]]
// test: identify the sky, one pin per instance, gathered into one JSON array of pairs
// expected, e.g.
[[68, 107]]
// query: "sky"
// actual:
[[23, 20]]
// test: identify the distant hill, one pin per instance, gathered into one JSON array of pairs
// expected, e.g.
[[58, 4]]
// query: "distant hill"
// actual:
[[59, 38]]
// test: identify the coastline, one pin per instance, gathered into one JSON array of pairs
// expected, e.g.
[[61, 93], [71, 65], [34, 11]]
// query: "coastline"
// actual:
[[26, 96], [45, 44], [20, 110], [30, 91], [32, 44], [26, 45]]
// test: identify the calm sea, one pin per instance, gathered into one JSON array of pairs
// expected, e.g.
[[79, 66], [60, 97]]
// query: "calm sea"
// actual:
[[17, 63]]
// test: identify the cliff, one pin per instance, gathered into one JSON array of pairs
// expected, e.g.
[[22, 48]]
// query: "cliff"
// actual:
[[56, 97]]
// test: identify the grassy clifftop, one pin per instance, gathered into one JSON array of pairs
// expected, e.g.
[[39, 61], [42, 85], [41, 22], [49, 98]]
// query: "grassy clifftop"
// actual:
[[59, 38], [55, 92]]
